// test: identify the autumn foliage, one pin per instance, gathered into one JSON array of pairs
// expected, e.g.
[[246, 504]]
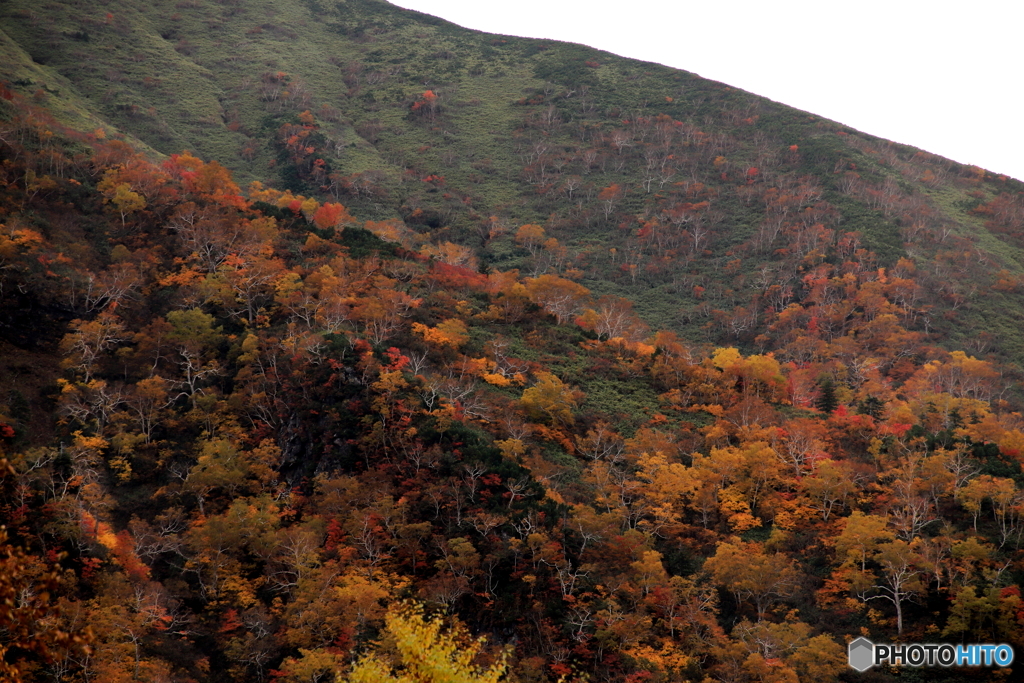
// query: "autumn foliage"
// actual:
[[287, 448]]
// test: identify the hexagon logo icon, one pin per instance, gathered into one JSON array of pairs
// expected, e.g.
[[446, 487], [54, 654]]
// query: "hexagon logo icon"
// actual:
[[862, 654]]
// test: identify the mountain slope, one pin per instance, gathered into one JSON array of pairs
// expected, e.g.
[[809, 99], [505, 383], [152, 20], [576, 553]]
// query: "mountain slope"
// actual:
[[519, 131]]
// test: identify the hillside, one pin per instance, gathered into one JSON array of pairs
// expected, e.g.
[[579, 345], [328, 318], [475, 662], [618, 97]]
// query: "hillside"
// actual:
[[604, 153], [634, 374]]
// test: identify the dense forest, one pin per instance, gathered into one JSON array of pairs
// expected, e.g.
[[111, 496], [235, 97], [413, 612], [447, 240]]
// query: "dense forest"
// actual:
[[333, 336]]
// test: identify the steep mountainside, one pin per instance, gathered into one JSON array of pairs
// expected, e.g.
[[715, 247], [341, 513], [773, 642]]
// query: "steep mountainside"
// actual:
[[705, 205]]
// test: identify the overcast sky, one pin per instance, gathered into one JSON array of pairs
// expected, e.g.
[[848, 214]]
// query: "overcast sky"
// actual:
[[943, 76]]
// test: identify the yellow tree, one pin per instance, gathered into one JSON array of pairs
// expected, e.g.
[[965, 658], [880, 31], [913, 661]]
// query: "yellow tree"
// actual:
[[125, 200], [448, 333], [381, 314], [860, 538], [786, 652], [612, 317], [452, 254], [550, 399], [558, 296], [829, 487], [900, 581], [750, 574], [422, 653], [530, 236]]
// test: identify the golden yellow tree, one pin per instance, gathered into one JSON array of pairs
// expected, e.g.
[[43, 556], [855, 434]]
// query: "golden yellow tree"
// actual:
[[424, 653], [550, 399]]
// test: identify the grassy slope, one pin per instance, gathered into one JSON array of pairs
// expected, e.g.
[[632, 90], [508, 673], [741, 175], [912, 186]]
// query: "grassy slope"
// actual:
[[188, 75], [50, 88]]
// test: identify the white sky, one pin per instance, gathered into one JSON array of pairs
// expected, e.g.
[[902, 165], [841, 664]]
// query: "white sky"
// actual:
[[944, 76]]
